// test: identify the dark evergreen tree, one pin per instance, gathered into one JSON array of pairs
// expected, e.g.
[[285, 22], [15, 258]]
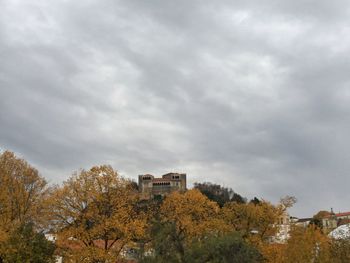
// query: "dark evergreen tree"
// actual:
[[255, 201], [218, 193]]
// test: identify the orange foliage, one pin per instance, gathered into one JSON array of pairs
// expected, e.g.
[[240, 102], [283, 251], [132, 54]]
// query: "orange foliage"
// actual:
[[22, 192], [97, 205], [307, 245], [193, 213]]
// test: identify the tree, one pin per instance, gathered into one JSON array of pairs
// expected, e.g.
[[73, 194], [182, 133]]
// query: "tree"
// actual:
[[255, 201], [219, 194], [273, 252], [150, 209], [22, 191], [167, 245], [287, 202], [340, 250], [307, 245], [95, 215], [191, 216], [192, 212], [229, 248], [212, 249], [25, 245], [252, 219]]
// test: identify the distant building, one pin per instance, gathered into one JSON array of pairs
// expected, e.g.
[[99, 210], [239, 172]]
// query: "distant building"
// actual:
[[329, 222], [343, 218], [332, 221], [284, 223], [303, 222], [152, 187], [337, 225]]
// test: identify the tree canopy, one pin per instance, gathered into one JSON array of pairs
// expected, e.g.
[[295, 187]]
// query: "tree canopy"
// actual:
[[98, 216], [22, 195], [95, 214]]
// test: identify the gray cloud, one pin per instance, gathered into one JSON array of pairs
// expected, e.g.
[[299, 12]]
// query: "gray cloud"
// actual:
[[253, 95]]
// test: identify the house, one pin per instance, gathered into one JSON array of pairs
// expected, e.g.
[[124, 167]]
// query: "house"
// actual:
[[343, 218], [333, 220]]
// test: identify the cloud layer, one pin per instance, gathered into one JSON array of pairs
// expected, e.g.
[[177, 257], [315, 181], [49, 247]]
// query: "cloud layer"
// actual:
[[253, 95]]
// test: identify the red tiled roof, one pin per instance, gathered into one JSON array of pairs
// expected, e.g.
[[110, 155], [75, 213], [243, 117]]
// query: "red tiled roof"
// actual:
[[342, 214], [338, 215]]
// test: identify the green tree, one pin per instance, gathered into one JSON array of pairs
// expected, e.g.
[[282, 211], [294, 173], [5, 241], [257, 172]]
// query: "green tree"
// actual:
[[229, 248], [25, 245], [218, 193], [167, 244], [255, 201]]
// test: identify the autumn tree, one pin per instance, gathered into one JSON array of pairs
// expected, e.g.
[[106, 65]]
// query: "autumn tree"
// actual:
[[185, 217], [340, 250], [252, 219], [307, 245], [193, 213], [22, 190], [95, 215], [273, 252]]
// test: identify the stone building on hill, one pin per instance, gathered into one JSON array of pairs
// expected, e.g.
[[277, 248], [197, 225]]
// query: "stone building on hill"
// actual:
[[334, 220], [153, 187]]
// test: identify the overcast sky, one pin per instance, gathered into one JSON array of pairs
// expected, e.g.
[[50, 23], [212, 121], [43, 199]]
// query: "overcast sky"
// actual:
[[253, 95]]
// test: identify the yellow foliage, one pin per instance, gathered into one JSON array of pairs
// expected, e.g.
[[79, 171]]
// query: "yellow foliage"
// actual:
[[193, 213], [22, 191], [340, 250], [307, 245], [273, 253], [252, 219], [95, 209]]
